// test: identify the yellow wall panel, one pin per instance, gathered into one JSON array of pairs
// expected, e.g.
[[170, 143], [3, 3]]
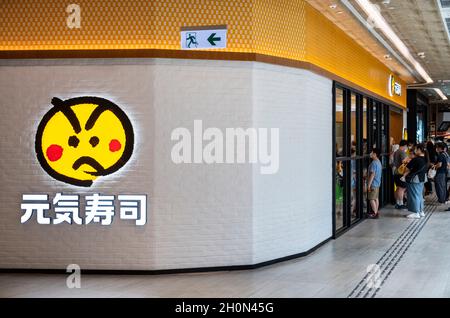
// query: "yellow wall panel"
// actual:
[[289, 29], [331, 49], [279, 28], [119, 24], [167, 17]]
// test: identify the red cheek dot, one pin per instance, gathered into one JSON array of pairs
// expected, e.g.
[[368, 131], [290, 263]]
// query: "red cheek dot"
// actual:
[[54, 152], [114, 145]]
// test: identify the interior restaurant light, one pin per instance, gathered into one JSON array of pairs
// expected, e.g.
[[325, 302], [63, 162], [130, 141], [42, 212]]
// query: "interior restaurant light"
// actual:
[[374, 14], [441, 94]]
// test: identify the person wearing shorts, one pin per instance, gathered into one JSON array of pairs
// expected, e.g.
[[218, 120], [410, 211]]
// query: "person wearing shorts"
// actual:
[[375, 171]]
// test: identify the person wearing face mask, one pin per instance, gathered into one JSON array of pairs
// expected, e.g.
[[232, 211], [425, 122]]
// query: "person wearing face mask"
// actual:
[[375, 171], [441, 168], [415, 177], [410, 150]]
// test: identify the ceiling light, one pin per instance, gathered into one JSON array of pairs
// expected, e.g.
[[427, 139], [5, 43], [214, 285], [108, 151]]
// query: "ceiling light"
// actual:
[[377, 36], [444, 9], [388, 57], [441, 94], [421, 55], [333, 6], [374, 14]]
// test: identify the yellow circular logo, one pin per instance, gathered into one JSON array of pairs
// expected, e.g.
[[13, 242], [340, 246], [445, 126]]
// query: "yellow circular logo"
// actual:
[[83, 138], [391, 85]]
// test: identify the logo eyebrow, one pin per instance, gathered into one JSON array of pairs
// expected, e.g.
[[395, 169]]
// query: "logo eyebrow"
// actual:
[[95, 115], [68, 112]]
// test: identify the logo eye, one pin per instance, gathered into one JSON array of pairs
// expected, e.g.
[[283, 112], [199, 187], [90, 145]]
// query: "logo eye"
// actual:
[[74, 141], [94, 141]]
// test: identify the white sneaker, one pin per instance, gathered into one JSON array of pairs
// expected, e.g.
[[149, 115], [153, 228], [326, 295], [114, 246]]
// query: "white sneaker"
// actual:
[[413, 216], [422, 214]]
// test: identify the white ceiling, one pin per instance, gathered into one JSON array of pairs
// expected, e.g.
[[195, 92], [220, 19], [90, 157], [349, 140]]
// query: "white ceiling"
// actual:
[[418, 23]]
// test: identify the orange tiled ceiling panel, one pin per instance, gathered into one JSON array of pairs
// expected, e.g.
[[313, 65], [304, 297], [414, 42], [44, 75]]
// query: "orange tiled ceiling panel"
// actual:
[[289, 29]]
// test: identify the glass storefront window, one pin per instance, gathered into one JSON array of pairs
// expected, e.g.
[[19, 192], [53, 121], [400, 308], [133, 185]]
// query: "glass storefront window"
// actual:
[[420, 128], [340, 194], [384, 141], [365, 183], [364, 127], [362, 123], [353, 124], [340, 123], [375, 110], [354, 190]]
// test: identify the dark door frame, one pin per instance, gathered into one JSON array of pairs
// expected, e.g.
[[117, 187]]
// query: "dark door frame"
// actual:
[[382, 114]]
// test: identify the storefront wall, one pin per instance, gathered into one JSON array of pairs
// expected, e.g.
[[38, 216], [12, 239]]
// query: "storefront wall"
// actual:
[[199, 215], [292, 209], [396, 125], [281, 32]]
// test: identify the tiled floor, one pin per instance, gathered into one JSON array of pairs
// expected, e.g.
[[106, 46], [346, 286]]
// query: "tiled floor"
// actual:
[[418, 267]]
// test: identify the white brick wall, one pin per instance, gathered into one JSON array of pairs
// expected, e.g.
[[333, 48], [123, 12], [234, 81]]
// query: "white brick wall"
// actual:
[[200, 215], [292, 209]]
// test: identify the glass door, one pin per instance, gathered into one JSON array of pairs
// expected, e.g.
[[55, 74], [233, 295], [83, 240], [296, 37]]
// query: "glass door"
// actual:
[[360, 124], [340, 170], [355, 156], [349, 163], [365, 153], [387, 178]]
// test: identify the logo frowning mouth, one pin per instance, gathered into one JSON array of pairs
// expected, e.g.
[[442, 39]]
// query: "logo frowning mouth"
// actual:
[[99, 170], [83, 131]]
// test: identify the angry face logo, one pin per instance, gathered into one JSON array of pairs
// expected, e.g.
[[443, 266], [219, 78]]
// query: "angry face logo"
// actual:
[[83, 138]]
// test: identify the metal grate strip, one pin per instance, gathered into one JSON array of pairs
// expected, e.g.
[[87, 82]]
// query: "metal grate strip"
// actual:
[[390, 259]]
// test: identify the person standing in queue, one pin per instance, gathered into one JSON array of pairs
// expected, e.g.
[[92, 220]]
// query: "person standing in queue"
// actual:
[[415, 177], [399, 159], [432, 154], [375, 170], [440, 180], [411, 147]]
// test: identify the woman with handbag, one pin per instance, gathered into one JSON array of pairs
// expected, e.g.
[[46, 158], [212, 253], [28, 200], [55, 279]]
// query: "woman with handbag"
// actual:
[[415, 177]]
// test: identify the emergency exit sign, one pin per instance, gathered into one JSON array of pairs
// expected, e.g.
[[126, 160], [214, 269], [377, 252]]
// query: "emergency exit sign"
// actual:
[[205, 37]]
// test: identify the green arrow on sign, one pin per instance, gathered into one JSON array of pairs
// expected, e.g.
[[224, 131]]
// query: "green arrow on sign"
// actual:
[[212, 39]]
